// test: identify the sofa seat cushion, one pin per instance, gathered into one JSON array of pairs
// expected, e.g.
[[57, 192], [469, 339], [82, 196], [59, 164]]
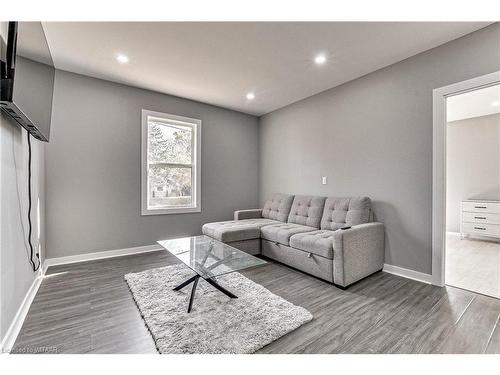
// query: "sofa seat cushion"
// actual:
[[240, 230], [318, 242], [282, 232]]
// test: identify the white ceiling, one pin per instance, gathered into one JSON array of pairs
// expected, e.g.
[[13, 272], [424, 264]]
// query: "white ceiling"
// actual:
[[218, 63], [475, 103]]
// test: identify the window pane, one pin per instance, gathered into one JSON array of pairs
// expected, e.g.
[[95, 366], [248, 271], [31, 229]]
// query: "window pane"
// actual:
[[169, 143], [169, 187]]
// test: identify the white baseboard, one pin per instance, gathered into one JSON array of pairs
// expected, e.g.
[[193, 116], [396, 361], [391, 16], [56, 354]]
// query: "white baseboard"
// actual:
[[18, 321], [44, 267], [100, 255], [409, 274]]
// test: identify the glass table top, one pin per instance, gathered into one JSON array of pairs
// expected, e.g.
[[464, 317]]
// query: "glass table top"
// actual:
[[208, 257]]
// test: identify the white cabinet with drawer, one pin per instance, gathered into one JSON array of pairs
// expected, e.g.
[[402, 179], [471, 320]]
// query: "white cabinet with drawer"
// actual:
[[480, 217]]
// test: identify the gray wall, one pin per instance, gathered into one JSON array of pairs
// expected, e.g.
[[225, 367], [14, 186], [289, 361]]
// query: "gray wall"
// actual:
[[472, 164], [15, 270], [93, 164], [373, 136]]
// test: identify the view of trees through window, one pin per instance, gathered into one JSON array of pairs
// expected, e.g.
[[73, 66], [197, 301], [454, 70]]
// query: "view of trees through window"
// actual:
[[170, 167]]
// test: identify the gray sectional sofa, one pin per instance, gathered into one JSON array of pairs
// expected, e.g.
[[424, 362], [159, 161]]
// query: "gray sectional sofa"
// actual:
[[330, 238]]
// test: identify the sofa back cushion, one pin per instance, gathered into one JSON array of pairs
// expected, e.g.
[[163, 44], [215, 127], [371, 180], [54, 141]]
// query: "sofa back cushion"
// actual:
[[307, 210], [341, 212], [278, 207]]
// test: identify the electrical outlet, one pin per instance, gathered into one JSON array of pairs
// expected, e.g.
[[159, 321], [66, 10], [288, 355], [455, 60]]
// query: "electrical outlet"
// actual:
[[323, 180]]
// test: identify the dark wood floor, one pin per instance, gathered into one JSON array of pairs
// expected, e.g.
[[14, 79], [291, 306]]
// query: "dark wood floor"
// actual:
[[87, 308]]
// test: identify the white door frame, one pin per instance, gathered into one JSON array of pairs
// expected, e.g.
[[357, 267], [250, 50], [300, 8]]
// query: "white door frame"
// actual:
[[439, 166]]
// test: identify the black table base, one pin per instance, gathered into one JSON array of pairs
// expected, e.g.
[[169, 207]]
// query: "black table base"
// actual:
[[195, 280]]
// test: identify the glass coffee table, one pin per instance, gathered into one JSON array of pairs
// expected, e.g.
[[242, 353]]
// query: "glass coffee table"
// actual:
[[208, 258]]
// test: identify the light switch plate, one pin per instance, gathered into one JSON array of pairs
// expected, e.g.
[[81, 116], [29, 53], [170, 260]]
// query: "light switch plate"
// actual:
[[323, 180]]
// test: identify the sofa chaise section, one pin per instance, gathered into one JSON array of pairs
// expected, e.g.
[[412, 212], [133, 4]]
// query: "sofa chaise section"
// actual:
[[230, 231], [244, 234], [244, 231]]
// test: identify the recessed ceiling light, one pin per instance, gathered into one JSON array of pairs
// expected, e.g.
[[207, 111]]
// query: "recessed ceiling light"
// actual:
[[250, 96], [320, 59], [496, 103], [122, 59]]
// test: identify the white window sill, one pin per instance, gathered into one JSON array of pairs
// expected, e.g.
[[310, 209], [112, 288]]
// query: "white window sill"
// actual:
[[170, 211]]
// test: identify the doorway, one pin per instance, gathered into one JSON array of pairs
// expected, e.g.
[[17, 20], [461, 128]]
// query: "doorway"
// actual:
[[466, 185], [472, 245]]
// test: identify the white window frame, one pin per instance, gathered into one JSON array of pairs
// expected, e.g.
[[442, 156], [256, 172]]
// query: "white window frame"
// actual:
[[196, 163]]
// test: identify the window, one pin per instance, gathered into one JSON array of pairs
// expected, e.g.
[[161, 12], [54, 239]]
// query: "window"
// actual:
[[171, 173]]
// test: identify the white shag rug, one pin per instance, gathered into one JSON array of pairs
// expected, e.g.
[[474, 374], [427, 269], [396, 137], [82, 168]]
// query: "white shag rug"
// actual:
[[216, 324]]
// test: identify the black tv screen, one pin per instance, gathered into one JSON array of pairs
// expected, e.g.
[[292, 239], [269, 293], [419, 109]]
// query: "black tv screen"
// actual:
[[27, 76]]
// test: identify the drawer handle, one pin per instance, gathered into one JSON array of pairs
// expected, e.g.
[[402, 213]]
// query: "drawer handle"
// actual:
[[479, 228], [479, 217], [479, 206]]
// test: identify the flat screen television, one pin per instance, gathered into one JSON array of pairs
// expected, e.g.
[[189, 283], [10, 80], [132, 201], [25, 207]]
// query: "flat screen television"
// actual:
[[26, 76]]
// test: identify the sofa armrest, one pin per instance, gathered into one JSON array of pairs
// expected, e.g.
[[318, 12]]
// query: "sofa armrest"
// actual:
[[358, 252], [255, 213]]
